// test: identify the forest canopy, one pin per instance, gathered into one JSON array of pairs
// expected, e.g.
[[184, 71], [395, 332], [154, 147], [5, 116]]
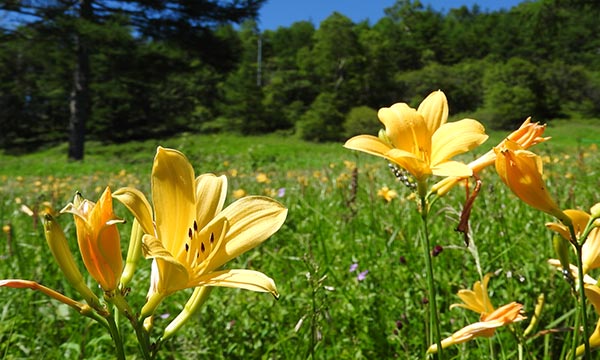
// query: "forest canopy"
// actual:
[[323, 82]]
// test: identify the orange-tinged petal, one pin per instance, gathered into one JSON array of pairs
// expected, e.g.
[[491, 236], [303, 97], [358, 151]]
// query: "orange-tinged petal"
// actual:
[[98, 238], [173, 195], [434, 110], [455, 138], [504, 315], [521, 171], [27, 284], [528, 134], [560, 228]]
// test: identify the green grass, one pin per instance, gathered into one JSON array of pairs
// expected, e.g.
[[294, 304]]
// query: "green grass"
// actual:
[[324, 312]]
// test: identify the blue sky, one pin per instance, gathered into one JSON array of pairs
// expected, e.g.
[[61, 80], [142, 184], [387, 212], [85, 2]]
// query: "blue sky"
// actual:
[[275, 13]]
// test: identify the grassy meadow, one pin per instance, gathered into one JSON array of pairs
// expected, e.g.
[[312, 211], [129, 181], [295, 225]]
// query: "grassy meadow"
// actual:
[[336, 219]]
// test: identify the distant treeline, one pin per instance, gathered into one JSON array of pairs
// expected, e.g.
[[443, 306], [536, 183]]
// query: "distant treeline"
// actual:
[[325, 82]]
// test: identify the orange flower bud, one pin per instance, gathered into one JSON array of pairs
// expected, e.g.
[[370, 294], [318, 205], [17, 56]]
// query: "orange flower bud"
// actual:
[[521, 171], [98, 238]]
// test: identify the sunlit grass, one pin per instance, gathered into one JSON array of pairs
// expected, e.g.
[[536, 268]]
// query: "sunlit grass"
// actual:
[[336, 219]]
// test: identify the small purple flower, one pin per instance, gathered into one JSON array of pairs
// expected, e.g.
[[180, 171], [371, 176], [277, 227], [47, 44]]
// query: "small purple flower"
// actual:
[[353, 267], [362, 275], [281, 192], [165, 316]]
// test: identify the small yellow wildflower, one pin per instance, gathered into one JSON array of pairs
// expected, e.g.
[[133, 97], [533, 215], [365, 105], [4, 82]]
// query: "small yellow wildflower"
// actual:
[[262, 178], [238, 193], [387, 194]]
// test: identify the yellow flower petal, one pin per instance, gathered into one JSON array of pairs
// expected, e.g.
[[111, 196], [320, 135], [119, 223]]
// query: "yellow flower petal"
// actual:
[[405, 128], [455, 138], [451, 168], [173, 195], [416, 166], [192, 235], [211, 192], [241, 279], [252, 220], [138, 205], [592, 293], [477, 299], [434, 110], [369, 144]]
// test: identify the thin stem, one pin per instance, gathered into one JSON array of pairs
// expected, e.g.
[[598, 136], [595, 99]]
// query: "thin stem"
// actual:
[[433, 313], [116, 336], [120, 303], [583, 312]]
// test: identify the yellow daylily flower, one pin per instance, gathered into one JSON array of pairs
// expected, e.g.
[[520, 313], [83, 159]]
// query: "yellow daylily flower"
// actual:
[[190, 237], [478, 301], [98, 238], [421, 141], [527, 135], [521, 170], [590, 251], [504, 315]]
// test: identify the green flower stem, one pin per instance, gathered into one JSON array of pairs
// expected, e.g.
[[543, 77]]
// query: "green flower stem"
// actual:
[[582, 309], [434, 324], [116, 336], [120, 303]]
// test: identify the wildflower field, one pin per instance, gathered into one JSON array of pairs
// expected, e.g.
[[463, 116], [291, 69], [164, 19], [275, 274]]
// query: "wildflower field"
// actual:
[[347, 262]]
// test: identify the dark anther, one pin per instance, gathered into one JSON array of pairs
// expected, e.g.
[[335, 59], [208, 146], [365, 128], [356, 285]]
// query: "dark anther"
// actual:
[[195, 226], [202, 247], [190, 233], [212, 238], [437, 250], [187, 247]]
